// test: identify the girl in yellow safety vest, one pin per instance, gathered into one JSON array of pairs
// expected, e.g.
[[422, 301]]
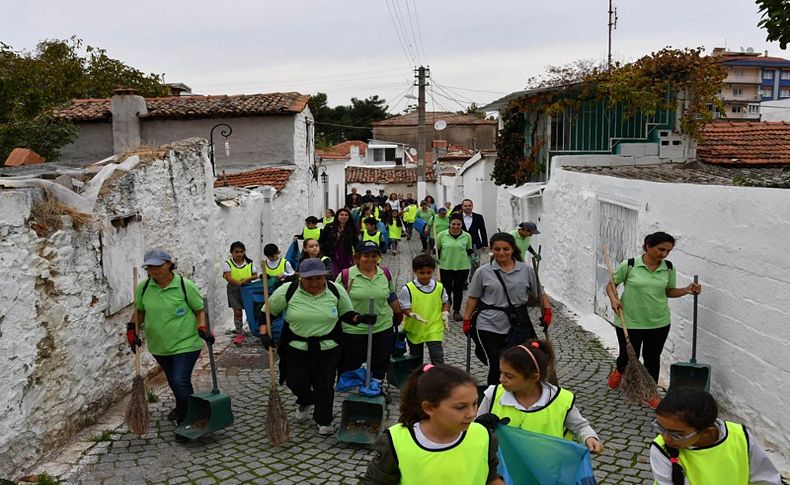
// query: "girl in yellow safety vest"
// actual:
[[533, 404], [436, 439], [278, 269], [238, 270], [695, 447], [312, 249]]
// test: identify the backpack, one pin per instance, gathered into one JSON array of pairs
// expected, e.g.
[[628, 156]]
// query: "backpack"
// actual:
[[344, 275], [183, 289], [632, 261]]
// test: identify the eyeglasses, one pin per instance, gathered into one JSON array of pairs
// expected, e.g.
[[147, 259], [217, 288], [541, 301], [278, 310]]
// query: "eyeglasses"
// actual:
[[672, 434]]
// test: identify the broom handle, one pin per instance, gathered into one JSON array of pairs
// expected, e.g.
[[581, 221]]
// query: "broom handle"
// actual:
[[694, 338], [269, 329], [620, 314], [214, 388], [371, 311], [134, 319]]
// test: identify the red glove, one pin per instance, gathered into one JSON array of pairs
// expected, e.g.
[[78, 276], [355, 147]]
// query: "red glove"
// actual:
[[545, 320], [467, 326], [132, 338], [205, 335], [397, 319]]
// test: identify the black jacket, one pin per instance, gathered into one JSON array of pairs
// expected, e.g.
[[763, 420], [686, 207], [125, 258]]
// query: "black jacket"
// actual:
[[477, 230]]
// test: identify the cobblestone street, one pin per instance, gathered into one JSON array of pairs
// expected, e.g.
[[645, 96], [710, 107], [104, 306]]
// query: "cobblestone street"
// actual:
[[241, 453]]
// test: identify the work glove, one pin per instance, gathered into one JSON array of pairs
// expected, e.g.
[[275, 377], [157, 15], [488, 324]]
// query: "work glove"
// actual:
[[545, 319], [446, 318], [467, 326], [266, 341], [132, 338], [367, 318], [205, 334], [490, 421], [418, 317], [536, 256]]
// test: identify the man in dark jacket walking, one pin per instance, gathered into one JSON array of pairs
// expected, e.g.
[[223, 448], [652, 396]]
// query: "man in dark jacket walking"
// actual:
[[475, 225]]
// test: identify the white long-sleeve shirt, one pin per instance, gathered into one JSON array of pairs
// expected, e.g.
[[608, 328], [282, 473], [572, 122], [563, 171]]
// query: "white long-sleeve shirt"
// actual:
[[574, 421], [761, 470]]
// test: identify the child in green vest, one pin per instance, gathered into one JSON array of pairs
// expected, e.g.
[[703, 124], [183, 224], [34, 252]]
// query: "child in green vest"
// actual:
[[436, 439], [238, 270], [311, 249], [533, 404], [277, 268], [425, 309], [394, 224], [696, 447], [373, 234], [311, 229]]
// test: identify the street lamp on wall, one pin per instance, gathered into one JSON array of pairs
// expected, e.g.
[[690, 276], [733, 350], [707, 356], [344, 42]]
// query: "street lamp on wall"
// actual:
[[319, 169], [225, 131]]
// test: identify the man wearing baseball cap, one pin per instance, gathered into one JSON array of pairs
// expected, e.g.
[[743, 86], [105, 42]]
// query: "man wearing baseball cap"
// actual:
[[523, 235]]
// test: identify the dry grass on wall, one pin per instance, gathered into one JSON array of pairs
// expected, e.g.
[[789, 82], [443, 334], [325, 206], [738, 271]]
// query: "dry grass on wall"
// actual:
[[46, 216]]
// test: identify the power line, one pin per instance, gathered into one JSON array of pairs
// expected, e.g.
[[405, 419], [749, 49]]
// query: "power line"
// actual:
[[409, 60], [419, 30], [474, 90], [413, 34], [450, 95], [405, 30], [342, 126]]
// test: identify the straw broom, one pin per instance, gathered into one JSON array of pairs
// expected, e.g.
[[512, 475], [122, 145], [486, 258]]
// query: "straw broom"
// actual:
[[637, 385], [277, 427], [551, 367], [137, 412]]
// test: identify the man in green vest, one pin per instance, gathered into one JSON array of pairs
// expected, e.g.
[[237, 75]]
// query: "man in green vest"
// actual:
[[523, 235]]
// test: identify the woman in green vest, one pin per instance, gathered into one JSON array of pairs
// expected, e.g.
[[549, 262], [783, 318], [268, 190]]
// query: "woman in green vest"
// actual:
[[454, 246], [695, 447], [436, 440], [238, 270], [409, 216], [649, 282], [532, 403], [439, 222], [311, 249]]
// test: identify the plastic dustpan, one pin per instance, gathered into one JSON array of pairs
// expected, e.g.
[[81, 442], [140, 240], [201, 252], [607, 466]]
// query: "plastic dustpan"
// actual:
[[691, 374], [401, 367], [207, 411]]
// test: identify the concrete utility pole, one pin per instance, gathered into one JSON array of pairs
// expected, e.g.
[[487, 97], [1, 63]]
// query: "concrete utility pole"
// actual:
[[612, 26], [422, 74]]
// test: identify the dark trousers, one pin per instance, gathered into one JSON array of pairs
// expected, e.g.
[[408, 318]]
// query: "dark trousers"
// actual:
[[493, 344], [178, 370], [355, 352], [408, 227], [427, 243], [649, 343], [311, 377], [435, 351], [453, 281]]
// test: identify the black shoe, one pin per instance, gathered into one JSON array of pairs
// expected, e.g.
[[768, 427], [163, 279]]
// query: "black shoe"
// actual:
[[458, 317], [172, 416], [181, 439]]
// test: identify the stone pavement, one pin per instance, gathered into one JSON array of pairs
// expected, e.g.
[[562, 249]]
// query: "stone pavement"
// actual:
[[241, 453]]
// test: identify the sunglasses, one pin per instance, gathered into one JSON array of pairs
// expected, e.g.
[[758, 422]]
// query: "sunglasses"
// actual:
[[672, 434]]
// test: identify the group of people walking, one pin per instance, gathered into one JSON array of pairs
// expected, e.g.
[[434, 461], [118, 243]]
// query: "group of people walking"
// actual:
[[342, 291]]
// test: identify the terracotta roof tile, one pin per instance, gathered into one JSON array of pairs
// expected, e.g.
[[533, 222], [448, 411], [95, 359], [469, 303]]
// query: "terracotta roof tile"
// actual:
[[273, 176], [433, 116], [192, 106], [342, 150], [368, 175], [745, 143]]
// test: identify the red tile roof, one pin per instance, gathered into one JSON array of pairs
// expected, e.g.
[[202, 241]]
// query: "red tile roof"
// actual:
[[745, 143], [431, 117], [173, 107], [343, 150], [368, 175], [273, 176]]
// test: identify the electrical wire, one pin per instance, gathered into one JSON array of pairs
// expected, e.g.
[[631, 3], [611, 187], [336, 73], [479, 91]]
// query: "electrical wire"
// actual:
[[409, 60], [405, 30], [413, 33], [419, 30]]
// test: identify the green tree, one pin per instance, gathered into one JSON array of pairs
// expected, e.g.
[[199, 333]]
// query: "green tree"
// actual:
[[473, 110], [33, 84], [775, 20], [346, 122]]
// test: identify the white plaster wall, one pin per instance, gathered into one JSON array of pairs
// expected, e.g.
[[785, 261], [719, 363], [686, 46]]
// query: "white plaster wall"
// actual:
[[735, 239], [775, 110], [477, 185]]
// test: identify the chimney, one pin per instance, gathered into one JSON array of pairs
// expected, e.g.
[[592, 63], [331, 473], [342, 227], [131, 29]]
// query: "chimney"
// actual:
[[766, 53], [353, 152], [126, 107]]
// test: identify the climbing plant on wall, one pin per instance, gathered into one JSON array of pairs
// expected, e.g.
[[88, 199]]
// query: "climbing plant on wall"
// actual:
[[669, 79]]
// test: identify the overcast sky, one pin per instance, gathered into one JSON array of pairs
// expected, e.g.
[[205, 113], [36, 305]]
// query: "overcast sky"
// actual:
[[477, 50]]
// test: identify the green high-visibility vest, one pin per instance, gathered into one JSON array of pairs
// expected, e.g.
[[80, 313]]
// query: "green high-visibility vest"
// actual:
[[328, 221], [376, 237], [410, 214], [278, 270], [466, 463], [311, 233], [725, 462], [394, 229], [549, 420], [239, 274], [428, 306]]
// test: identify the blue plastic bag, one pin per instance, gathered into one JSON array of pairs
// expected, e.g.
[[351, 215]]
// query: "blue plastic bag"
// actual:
[[292, 255], [350, 380], [532, 458], [373, 390]]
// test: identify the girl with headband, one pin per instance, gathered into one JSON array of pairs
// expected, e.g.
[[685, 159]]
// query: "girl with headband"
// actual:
[[436, 439], [530, 402]]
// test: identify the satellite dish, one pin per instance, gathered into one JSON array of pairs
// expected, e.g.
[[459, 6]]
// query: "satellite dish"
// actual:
[[412, 151], [440, 125]]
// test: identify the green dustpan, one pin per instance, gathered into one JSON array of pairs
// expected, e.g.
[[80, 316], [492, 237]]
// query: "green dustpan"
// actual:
[[207, 411], [362, 417], [401, 367], [690, 374]]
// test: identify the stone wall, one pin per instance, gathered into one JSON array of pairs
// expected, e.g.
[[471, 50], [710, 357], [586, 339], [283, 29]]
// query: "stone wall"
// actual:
[[733, 237]]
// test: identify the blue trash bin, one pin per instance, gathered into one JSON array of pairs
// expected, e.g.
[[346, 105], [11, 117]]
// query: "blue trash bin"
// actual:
[[253, 300]]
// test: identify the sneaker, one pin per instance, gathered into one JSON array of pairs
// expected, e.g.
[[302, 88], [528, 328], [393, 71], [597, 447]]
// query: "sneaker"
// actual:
[[172, 416], [238, 339], [303, 413], [326, 430], [614, 379], [652, 403], [458, 317]]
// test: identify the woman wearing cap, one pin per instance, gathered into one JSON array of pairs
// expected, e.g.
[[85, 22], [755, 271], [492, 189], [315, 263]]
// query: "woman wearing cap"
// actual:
[[309, 348], [337, 240], [523, 236], [363, 281], [170, 310]]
